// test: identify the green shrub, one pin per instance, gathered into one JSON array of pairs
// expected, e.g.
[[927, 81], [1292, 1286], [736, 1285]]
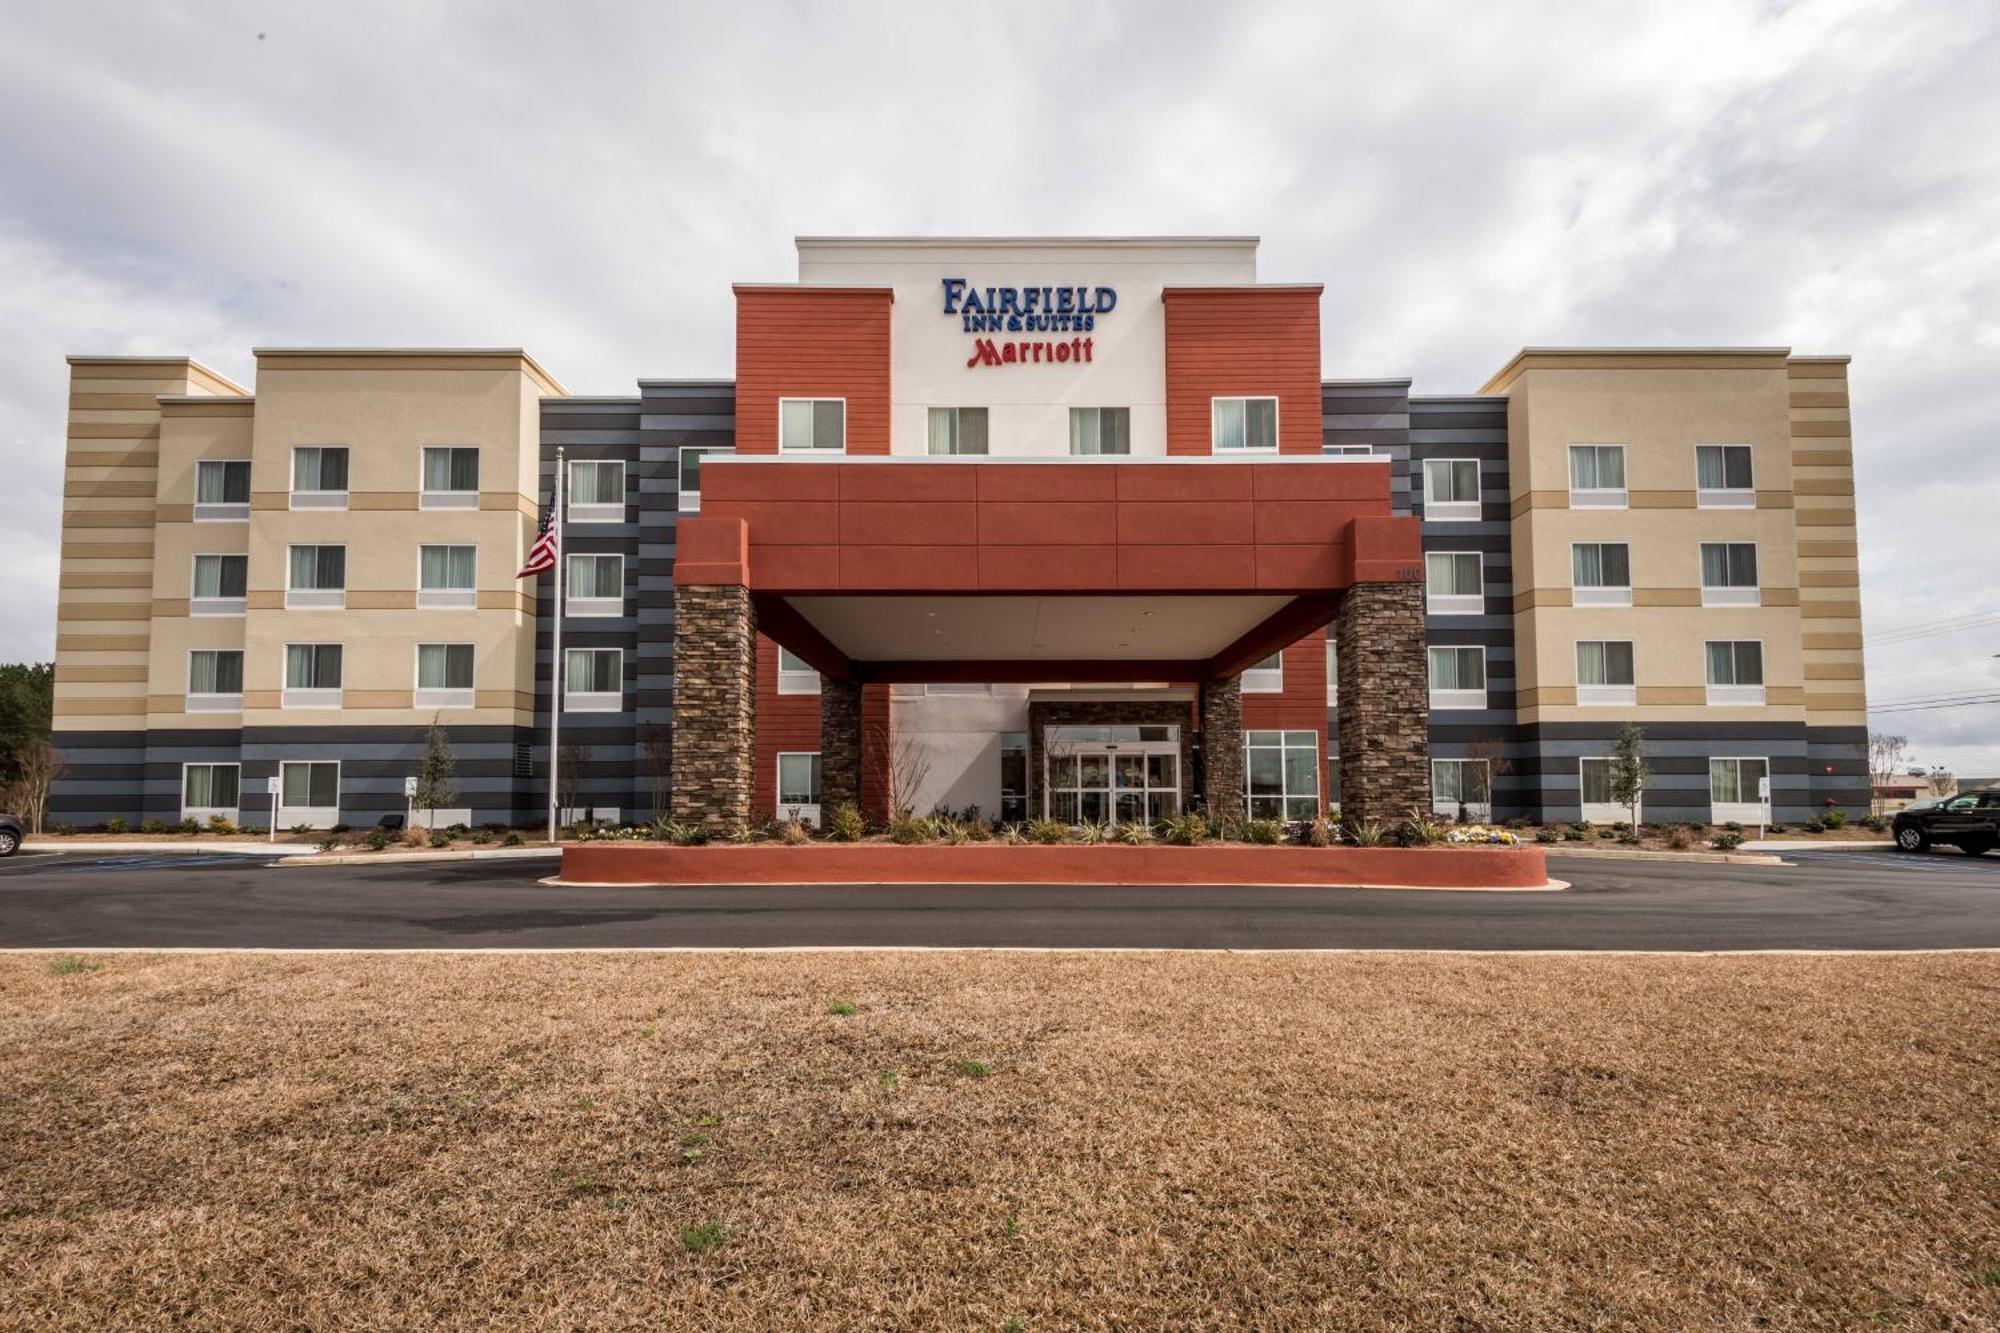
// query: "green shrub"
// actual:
[[909, 829], [1628, 839], [340, 828], [440, 839], [1319, 831], [1366, 833], [1182, 830], [977, 830], [512, 839], [1733, 827], [746, 834], [792, 832], [1545, 834], [1134, 835], [1420, 828], [379, 838], [481, 838], [1048, 831], [1091, 834], [328, 843], [690, 835], [1679, 840], [219, 824], [302, 828], [1263, 832], [1726, 841], [1874, 823], [844, 824], [1013, 835], [1227, 827], [114, 826], [1833, 819], [152, 826], [187, 826]]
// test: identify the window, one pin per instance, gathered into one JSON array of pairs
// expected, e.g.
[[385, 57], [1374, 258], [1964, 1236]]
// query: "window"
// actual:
[[1600, 574], [319, 477], [812, 423], [215, 680], [1722, 477], [1451, 490], [795, 675], [594, 680], [222, 491], [316, 578], [451, 477], [798, 786], [1604, 673], [1243, 425], [309, 792], [958, 430], [690, 474], [596, 586], [210, 790], [1013, 776], [1458, 677], [1735, 788], [1348, 450], [1454, 583], [1332, 673], [447, 577], [1729, 574], [1267, 677], [219, 582], [1100, 430], [1735, 671], [1599, 805], [1597, 476], [1462, 788], [444, 675], [1281, 774], [312, 675], [596, 491]]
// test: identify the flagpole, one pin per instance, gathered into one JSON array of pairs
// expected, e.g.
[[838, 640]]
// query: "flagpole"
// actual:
[[556, 662]]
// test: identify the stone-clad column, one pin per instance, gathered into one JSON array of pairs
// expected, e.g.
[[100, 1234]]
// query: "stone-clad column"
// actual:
[[839, 745], [715, 706], [1385, 767], [1222, 747]]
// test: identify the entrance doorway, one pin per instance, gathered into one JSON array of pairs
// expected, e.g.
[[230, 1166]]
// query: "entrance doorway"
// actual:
[[1111, 774]]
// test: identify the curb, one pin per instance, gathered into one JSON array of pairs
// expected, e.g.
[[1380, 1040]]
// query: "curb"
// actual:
[[1705, 858], [1548, 886], [398, 858], [68, 848], [1798, 845]]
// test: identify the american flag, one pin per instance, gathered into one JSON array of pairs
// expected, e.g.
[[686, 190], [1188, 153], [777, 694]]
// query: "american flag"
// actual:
[[542, 555]]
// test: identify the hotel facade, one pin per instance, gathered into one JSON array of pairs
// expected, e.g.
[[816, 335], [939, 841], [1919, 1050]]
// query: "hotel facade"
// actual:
[[1064, 527]]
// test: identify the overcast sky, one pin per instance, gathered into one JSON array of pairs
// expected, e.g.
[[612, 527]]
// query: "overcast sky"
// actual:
[[586, 181]]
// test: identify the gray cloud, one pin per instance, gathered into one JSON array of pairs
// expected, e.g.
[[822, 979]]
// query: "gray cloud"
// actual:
[[587, 181]]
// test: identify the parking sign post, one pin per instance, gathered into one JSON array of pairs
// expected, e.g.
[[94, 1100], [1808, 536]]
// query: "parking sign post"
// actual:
[[271, 785]]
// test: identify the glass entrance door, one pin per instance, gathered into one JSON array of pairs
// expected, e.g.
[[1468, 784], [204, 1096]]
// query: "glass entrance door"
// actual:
[[1104, 775]]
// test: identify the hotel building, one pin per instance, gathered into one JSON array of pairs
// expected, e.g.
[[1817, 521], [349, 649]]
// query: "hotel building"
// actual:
[[1068, 526]]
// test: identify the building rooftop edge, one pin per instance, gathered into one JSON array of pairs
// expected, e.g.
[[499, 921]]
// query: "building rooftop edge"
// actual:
[[188, 361], [1020, 242], [510, 353]]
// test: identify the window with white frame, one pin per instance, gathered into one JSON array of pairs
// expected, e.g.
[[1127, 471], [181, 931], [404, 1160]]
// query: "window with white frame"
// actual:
[[215, 680], [309, 792], [211, 791], [1243, 425], [1729, 574], [798, 786], [1596, 784], [1604, 673], [1597, 476], [1281, 774], [1348, 450], [594, 680], [447, 578], [690, 473], [319, 476], [596, 585], [1454, 583], [795, 674], [312, 675], [1600, 574], [1723, 477], [1462, 788], [812, 423], [1100, 430], [1451, 490], [1013, 776], [1735, 672], [222, 490], [1332, 673], [316, 578], [958, 430], [1458, 677], [444, 675], [1734, 787], [1267, 677], [596, 490], [218, 585], [451, 477]]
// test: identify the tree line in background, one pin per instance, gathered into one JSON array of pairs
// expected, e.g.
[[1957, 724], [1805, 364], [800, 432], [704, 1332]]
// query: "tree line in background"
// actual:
[[28, 762]]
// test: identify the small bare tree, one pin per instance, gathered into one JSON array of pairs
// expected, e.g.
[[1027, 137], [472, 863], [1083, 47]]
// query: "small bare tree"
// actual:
[[434, 777], [37, 766], [571, 756], [909, 764], [1628, 770], [656, 750], [1886, 754]]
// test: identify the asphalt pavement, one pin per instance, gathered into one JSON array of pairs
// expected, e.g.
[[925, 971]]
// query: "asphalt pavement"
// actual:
[[1823, 900]]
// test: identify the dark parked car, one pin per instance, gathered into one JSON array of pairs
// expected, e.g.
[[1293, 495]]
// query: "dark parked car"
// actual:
[[1970, 822], [12, 832]]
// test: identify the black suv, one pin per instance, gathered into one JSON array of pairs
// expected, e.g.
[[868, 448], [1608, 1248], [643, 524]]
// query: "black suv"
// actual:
[[12, 831], [1970, 822]]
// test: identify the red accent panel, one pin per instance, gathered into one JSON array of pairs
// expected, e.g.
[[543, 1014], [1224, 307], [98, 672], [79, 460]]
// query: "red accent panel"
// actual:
[[1049, 568], [805, 342], [787, 522], [1226, 523], [1385, 549], [1287, 568], [1242, 341], [1358, 483], [785, 722], [1302, 704], [872, 523], [1188, 568], [997, 863], [1206, 483], [723, 482], [910, 568], [1032, 523], [1053, 481], [799, 568], [909, 483], [712, 551]]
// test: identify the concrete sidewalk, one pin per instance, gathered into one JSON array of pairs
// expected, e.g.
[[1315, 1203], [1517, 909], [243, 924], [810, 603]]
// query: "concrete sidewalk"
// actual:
[[234, 846]]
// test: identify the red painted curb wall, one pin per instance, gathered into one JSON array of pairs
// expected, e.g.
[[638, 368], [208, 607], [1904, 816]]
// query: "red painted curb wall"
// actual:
[[992, 863]]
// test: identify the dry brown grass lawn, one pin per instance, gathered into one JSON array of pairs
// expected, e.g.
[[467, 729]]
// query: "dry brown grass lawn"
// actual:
[[1160, 1141]]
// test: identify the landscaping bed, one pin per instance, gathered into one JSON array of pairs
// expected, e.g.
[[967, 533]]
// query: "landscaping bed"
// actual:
[[999, 1141]]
